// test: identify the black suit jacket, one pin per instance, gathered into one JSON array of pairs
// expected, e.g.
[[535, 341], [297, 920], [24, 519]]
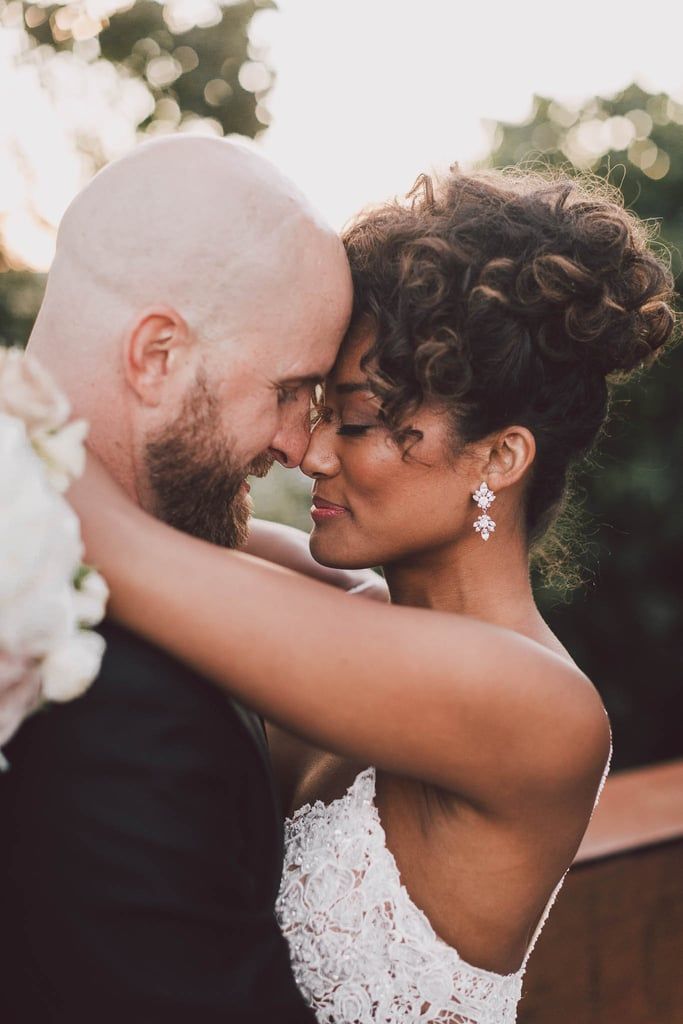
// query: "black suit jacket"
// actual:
[[140, 856]]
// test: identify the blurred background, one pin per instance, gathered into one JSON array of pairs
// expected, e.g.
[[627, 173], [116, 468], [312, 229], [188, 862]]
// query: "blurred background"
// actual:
[[354, 98]]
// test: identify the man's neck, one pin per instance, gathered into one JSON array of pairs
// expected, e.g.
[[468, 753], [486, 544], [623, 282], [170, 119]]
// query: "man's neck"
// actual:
[[111, 436]]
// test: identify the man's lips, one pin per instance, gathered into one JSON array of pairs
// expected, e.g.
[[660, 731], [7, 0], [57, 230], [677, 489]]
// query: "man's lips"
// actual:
[[323, 509]]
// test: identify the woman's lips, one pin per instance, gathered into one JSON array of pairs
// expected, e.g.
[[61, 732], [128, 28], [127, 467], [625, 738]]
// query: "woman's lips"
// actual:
[[323, 510]]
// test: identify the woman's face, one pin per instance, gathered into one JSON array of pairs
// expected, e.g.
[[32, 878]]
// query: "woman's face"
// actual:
[[371, 505]]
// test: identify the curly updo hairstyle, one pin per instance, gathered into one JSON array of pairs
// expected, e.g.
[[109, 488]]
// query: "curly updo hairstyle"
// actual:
[[510, 298]]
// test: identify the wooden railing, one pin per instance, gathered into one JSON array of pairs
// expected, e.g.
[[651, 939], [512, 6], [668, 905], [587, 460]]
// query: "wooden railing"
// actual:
[[612, 949]]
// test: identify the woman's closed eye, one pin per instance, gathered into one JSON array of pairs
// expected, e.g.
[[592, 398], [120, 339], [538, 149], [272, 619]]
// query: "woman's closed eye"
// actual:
[[354, 429], [321, 413]]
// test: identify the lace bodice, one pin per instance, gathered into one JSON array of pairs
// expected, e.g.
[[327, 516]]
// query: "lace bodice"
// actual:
[[362, 951]]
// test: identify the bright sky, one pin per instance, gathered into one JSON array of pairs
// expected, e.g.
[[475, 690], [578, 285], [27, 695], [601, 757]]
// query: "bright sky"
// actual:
[[372, 92], [368, 93]]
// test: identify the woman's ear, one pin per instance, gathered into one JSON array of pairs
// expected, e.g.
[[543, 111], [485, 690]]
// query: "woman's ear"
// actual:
[[510, 456], [154, 349]]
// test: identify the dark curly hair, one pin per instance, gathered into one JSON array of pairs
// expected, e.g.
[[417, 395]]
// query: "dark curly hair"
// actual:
[[511, 298]]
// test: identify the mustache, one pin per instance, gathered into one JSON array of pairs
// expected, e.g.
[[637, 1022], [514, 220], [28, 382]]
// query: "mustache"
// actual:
[[260, 466]]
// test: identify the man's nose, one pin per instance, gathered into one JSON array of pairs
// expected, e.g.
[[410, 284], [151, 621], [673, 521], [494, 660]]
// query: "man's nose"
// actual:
[[290, 443]]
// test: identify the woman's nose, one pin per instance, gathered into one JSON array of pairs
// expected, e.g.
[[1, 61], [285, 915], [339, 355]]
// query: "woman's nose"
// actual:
[[320, 458]]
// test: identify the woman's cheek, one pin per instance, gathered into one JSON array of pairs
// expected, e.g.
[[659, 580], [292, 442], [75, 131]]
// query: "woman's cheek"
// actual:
[[378, 465]]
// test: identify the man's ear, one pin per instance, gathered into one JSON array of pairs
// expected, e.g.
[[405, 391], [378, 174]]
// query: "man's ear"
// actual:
[[154, 349]]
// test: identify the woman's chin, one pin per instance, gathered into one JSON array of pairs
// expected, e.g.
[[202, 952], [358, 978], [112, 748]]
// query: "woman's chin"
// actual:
[[334, 555]]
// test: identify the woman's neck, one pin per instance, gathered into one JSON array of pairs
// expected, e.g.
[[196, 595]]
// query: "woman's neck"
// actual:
[[489, 581]]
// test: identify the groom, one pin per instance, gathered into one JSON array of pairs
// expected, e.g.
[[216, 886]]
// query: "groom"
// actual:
[[194, 299]]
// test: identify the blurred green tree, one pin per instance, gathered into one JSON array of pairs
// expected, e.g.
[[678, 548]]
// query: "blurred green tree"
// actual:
[[20, 295], [194, 61], [625, 626]]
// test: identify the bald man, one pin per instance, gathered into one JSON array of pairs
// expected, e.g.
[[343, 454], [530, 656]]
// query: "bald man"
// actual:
[[194, 299]]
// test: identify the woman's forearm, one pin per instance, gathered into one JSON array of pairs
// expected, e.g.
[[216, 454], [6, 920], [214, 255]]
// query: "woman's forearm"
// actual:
[[436, 696], [268, 634]]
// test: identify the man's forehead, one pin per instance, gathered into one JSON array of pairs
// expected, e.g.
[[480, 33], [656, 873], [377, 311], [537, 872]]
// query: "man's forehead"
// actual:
[[310, 366]]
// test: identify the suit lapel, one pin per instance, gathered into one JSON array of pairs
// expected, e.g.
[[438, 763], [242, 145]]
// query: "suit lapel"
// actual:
[[252, 723], [254, 726]]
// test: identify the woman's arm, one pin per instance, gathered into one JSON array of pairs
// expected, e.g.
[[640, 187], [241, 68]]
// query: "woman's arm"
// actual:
[[289, 547], [450, 700]]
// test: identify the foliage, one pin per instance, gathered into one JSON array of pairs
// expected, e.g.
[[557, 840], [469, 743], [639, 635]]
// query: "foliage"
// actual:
[[200, 69], [20, 296], [625, 624], [189, 69]]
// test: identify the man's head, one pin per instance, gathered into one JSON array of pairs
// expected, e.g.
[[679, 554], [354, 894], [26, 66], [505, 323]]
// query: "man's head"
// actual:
[[194, 298]]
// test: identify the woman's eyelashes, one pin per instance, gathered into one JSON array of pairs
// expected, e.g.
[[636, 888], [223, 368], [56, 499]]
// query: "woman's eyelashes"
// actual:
[[321, 414], [354, 429]]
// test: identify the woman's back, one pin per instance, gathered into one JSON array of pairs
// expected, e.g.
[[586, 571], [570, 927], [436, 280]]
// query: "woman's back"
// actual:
[[380, 917]]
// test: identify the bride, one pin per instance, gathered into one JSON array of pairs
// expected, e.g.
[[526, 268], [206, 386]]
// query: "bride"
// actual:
[[440, 758]]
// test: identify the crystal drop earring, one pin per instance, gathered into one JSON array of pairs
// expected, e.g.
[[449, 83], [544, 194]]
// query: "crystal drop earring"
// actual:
[[484, 498]]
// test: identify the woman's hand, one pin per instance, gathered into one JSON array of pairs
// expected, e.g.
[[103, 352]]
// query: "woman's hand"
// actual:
[[108, 515], [94, 488]]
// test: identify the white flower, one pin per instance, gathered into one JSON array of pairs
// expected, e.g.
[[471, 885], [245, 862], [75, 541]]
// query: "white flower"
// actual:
[[39, 532], [37, 620], [69, 669], [28, 391], [91, 596], [46, 595], [63, 452], [20, 693]]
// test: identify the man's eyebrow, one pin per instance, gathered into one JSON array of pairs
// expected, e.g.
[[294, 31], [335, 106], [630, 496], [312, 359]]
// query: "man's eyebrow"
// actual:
[[350, 387], [312, 381]]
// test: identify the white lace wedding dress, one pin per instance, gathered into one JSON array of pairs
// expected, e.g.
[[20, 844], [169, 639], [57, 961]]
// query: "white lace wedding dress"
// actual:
[[362, 951]]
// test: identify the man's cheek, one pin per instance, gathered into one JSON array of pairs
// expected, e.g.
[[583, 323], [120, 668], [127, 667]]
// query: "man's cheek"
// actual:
[[249, 429]]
